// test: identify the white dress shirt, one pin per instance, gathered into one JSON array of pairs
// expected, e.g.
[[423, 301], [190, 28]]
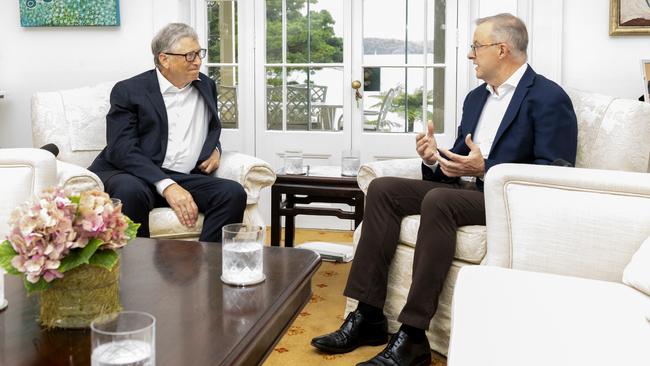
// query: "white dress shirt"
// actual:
[[187, 120], [493, 112]]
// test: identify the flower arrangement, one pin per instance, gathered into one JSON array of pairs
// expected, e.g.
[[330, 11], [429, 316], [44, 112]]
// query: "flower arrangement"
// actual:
[[57, 232]]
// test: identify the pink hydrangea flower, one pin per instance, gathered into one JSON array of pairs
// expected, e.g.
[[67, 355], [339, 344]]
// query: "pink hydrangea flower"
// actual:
[[44, 231]]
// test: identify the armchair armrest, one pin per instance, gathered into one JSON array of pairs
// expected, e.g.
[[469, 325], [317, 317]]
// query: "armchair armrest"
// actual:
[[252, 173], [77, 179], [406, 168], [569, 221]]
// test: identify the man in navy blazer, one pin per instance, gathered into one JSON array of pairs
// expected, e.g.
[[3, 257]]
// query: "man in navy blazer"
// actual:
[[516, 116], [162, 133]]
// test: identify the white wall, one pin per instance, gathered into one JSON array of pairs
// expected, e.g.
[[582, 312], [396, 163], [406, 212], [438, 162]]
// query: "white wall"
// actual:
[[47, 59], [594, 61]]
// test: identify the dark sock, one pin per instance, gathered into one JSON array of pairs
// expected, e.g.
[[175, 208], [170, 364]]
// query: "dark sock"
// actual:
[[416, 334], [372, 313]]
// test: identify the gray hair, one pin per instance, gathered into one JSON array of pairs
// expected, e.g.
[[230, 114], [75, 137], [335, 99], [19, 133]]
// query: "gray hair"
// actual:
[[166, 39], [509, 29]]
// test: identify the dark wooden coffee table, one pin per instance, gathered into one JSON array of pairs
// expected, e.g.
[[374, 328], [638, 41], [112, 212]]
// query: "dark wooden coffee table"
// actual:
[[199, 320], [301, 190]]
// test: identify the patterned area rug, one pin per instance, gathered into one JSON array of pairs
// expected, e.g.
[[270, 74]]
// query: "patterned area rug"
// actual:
[[323, 314]]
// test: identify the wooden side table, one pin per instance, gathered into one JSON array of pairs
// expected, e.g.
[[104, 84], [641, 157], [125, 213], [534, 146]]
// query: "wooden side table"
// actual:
[[301, 190]]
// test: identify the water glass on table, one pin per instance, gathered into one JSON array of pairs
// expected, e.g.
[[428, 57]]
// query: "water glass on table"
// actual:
[[293, 162], [350, 163], [127, 338], [242, 262]]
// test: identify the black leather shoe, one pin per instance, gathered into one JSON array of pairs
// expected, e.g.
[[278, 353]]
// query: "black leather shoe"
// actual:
[[354, 332], [402, 351]]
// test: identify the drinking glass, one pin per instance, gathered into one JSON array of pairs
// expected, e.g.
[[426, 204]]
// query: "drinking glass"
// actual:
[[242, 262], [127, 338], [350, 163], [293, 162]]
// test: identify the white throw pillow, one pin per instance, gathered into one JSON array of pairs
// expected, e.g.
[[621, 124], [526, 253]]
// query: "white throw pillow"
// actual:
[[637, 272]]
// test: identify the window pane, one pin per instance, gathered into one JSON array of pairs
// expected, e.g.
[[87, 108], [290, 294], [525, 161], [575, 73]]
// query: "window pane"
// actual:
[[415, 31], [273, 31], [298, 103], [222, 32], [297, 32], [326, 31], [326, 84], [381, 114], [226, 79], [436, 104], [436, 29], [384, 22], [274, 104]]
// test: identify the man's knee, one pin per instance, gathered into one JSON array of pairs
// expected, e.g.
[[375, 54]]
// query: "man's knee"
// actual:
[[133, 192], [235, 195], [438, 200], [382, 187]]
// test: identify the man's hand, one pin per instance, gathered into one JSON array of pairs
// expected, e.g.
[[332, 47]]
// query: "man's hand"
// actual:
[[212, 163], [426, 145], [182, 203], [456, 165]]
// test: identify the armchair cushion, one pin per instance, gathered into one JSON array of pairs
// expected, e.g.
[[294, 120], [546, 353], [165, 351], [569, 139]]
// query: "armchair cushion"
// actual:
[[612, 132], [637, 272]]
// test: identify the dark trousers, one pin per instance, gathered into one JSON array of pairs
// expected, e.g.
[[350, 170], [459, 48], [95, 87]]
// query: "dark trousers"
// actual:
[[221, 201], [443, 208]]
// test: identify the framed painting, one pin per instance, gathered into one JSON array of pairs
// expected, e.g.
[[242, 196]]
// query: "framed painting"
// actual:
[[69, 13], [629, 17], [645, 69]]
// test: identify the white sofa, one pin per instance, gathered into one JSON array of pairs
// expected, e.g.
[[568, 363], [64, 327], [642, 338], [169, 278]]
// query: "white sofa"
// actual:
[[612, 134], [75, 120], [569, 233]]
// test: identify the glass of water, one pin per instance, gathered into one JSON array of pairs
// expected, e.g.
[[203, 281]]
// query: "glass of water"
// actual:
[[350, 163], [127, 338], [242, 262], [293, 162]]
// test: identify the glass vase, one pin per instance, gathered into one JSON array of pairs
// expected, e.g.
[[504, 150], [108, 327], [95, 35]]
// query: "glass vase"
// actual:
[[83, 294]]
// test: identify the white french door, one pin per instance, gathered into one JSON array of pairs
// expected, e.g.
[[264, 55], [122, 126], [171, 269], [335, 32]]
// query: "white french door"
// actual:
[[285, 70]]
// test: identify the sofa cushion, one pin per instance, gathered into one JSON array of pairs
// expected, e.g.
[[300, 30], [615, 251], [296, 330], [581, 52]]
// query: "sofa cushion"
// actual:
[[85, 114], [471, 241], [612, 132], [637, 272]]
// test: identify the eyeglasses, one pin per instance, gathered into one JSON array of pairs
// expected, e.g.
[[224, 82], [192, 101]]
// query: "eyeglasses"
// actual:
[[190, 56], [474, 47]]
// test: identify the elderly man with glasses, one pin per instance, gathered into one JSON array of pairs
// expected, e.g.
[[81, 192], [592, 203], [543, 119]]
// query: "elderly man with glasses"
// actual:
[[162, 133], [516, 116]]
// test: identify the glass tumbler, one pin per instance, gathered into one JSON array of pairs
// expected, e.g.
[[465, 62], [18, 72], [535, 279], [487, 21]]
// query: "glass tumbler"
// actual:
[[242, 262], [123, 339], [293, 162], [350, 163]]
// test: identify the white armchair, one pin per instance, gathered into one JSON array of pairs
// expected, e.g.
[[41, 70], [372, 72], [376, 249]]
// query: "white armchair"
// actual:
[[612, 134], [75, 120], [565, 237], [24, 172]]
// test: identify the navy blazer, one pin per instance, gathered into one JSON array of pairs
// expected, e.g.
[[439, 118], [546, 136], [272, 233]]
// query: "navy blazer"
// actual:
[[539, 126], [137, 129]]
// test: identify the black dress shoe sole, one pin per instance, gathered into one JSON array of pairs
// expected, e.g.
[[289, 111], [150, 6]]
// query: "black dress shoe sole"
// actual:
[[335, 350]]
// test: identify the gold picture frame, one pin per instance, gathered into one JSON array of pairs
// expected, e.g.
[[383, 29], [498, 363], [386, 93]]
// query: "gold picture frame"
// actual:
[[645, 71], [629, 17]]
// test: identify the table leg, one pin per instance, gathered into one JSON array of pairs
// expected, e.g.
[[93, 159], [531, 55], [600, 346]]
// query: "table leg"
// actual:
[[275, 217], [289, 223]]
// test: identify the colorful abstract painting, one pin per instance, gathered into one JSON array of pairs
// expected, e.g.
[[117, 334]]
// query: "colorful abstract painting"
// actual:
[[69, 13]]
